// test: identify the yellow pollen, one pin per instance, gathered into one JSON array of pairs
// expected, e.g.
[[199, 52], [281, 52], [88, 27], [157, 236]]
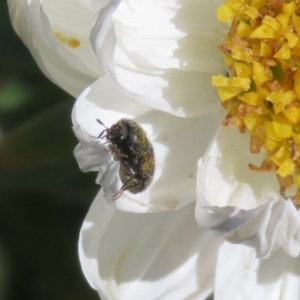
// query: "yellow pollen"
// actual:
[[68, 41], [262, 90]]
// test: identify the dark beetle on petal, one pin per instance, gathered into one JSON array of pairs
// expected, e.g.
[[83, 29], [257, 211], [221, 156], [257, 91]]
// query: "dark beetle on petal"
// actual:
[[129, 143]]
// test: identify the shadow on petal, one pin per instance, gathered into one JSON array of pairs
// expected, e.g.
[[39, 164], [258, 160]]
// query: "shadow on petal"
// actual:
[[163, 255], [276, 266], [242, 276]]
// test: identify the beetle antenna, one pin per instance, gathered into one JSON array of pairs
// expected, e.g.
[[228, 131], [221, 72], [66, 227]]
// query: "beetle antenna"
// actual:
[[101, 123], [105, 130]]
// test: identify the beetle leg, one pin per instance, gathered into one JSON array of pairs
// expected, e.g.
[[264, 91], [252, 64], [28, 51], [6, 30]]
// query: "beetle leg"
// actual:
[[100, 135], [116, 152], [128, 185], [125, 187]]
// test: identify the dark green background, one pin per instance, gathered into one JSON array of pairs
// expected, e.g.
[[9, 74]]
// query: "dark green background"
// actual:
[[43, 195]]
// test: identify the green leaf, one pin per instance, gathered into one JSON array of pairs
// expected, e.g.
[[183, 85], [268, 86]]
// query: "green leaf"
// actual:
[[14, 95]]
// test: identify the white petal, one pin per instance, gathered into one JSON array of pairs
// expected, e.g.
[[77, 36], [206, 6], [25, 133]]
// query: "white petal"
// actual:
[[182, 93], [177, 144], [18, 19], [164, 52], [71, 23], [94, 5], [240, 275], [170, 34], [103, 36], [90, 153], [225, 165], [104, 101], [242, 205], [71, 66], [59, 72], [155, 256]]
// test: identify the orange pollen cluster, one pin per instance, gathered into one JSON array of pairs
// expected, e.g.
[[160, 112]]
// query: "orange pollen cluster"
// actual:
[[262, 90]]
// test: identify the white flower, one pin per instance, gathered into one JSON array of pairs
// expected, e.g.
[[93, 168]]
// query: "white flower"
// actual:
[[158, 57], [261, 227]]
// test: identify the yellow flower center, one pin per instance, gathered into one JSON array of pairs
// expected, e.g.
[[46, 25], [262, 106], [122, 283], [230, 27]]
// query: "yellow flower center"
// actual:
[[262, 92]]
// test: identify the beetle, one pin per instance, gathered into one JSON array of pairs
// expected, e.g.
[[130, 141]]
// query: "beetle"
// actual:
[[128, 142]]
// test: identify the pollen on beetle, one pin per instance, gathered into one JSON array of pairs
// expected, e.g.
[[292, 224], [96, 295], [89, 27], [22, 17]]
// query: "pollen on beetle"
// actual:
[[262, 92]]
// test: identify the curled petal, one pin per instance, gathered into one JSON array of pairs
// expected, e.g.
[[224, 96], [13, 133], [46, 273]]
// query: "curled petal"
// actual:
[[239, 275], [18, 19], [91, 154], [103, 39], [60, 49], [164, 256], [246, 207], [71, 24], [173, 184]]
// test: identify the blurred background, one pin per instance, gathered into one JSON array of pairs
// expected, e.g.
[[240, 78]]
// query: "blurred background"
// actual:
[[43, 195]]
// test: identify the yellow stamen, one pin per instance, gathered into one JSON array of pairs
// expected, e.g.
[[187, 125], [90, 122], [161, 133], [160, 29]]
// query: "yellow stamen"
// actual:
[[262, 92]]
